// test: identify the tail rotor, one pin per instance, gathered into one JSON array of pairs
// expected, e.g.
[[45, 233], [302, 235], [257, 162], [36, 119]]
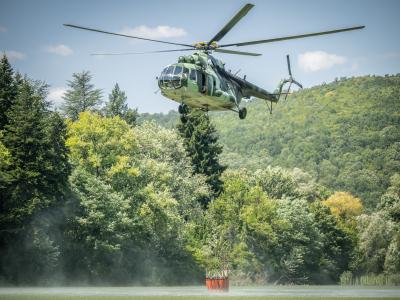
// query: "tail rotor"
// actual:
[[290, 80]]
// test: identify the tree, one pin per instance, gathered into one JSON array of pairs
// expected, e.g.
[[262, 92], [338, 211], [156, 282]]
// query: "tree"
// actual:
[[98, 227], [80, 96], [102, 146], [376, 235], [260, 238], [8, 90], [5, 160], [337, 245], [134, 196], [24, 137], [117, 106], [298, 252], [201, 144], [390, 201], [344, 206], [37, 174]]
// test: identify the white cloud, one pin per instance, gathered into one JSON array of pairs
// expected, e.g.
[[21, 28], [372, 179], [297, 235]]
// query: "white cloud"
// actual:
[[3, 29], [61, 49], [14, 55], [319, 60], [162, 31], [56, 95]]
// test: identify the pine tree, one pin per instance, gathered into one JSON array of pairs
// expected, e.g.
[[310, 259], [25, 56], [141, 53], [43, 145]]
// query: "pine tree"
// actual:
[[117, 106], [80, 96], [201, 143], [37, 175], [8, 90], [35, 139]]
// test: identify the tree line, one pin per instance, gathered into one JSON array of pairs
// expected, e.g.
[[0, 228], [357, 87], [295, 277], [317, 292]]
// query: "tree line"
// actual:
[[89, 195]]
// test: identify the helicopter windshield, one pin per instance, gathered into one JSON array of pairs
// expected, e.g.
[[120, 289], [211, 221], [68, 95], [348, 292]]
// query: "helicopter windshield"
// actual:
[[171, 77], [178, 70]]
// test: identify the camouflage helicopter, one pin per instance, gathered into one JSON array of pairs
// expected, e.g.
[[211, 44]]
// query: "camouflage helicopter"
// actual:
[[201, 81]]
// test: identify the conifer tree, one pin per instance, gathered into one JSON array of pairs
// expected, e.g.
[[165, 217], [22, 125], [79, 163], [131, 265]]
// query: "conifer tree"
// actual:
[[36, 174], [8, 90], [80, 96], [35, 139], [117, 106], [201, 143]]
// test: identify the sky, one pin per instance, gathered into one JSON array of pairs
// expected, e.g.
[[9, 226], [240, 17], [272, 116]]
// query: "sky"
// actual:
[[37, 44]]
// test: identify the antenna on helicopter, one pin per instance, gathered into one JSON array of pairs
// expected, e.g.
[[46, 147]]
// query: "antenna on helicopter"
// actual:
[[237, 72]]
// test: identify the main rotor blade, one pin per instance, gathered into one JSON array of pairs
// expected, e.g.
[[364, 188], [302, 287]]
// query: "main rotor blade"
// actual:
[[125, 35], [237, 52], [147, 52], [231, 23], [288, 65], [293, 37]]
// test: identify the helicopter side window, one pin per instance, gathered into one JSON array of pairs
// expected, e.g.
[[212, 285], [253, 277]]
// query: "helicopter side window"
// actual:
[[193, 75]]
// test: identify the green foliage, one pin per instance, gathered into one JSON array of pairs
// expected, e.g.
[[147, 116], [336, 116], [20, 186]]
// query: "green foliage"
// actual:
[[201, 143], [117, 106], [134, 197], [8, 90], [81, 95], [376, 234], [38, 169], [268, 232], [101, 145], [337, 244], [97, 200], [5, 160], [390, 201], [35, 169], [347, 278], [99, 226]]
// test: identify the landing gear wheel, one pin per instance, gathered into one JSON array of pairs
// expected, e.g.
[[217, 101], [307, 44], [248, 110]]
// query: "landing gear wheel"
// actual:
[[184, 119], [182, 109], [242, 113]]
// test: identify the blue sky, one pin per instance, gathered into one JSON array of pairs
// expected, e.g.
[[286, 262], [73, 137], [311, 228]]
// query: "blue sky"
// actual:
[[32, 35]]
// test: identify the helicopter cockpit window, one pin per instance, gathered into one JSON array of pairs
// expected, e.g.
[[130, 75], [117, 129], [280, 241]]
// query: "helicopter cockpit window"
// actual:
[[178, 70], [193, 75], [171, 77], [170, 70]]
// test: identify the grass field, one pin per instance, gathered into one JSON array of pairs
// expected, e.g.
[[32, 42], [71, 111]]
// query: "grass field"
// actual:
[[199, 293], [80, 297]]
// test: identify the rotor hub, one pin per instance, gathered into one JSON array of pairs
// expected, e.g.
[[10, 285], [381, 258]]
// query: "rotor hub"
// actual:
[[205, 45]]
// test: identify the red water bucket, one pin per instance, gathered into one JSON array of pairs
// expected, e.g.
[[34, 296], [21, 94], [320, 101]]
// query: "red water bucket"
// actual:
[[219, 284]]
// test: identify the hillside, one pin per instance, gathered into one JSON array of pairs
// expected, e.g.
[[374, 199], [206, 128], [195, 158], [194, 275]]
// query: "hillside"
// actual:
[[346, 134]]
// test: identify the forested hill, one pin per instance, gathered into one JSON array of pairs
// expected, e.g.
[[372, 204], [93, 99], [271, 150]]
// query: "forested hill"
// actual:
[[346, 134]]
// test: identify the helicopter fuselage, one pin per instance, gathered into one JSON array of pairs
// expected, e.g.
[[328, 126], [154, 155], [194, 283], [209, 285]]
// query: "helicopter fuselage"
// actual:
[[196, 83], [201, 81]]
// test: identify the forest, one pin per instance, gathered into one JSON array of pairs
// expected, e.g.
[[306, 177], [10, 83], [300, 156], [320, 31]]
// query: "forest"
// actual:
[[94, 192]]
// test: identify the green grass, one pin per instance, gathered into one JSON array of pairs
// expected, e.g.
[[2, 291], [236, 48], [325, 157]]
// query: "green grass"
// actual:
[[47, 297]]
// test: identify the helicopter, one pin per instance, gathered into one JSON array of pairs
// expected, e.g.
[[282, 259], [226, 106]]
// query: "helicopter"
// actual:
[[201, 81]]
